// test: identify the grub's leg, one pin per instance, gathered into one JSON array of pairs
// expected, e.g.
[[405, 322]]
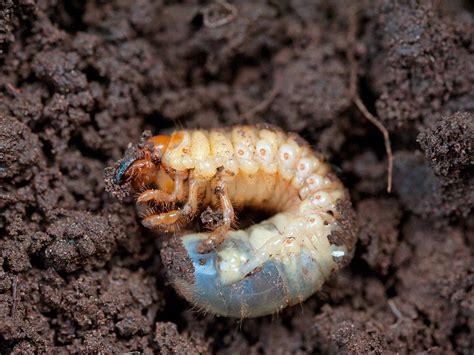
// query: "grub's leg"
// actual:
[[160, 196], [189, 210], [162, 219], [167, 219], [218, 235]]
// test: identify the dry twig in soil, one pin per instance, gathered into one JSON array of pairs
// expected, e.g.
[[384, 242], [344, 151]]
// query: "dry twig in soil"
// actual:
[[351, 40]]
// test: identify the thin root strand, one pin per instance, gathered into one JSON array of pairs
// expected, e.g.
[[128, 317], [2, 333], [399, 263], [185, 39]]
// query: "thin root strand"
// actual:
[[358, 101]]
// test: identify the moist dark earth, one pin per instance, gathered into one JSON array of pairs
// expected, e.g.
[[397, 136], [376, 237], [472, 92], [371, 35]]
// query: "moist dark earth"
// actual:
[[80, 80]]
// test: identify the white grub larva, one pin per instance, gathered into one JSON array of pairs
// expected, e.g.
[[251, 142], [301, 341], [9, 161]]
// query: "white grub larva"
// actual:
[[249, 272]]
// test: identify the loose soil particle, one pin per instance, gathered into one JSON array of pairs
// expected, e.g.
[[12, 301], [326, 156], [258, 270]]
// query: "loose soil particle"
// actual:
[[80, 80]]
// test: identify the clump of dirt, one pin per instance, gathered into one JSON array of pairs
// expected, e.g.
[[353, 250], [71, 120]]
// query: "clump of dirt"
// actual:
[[378, 220], [79, 239], [171, 342], [20, 150], [448, 145], [420, 61], [80, 81]]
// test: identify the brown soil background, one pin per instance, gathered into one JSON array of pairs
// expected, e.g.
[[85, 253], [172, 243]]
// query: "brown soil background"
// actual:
[[80, 80]]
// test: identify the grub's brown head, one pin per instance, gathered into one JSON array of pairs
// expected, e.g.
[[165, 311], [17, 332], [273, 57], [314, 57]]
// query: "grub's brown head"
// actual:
[[141, 165]]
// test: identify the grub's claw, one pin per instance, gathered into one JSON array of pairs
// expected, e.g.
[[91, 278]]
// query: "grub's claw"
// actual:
[[162, 219]]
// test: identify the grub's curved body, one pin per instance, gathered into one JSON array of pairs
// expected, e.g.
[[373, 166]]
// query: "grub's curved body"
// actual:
[[260, 270]]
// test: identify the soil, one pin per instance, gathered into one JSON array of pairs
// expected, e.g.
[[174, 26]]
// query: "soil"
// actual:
[[80, 80]]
